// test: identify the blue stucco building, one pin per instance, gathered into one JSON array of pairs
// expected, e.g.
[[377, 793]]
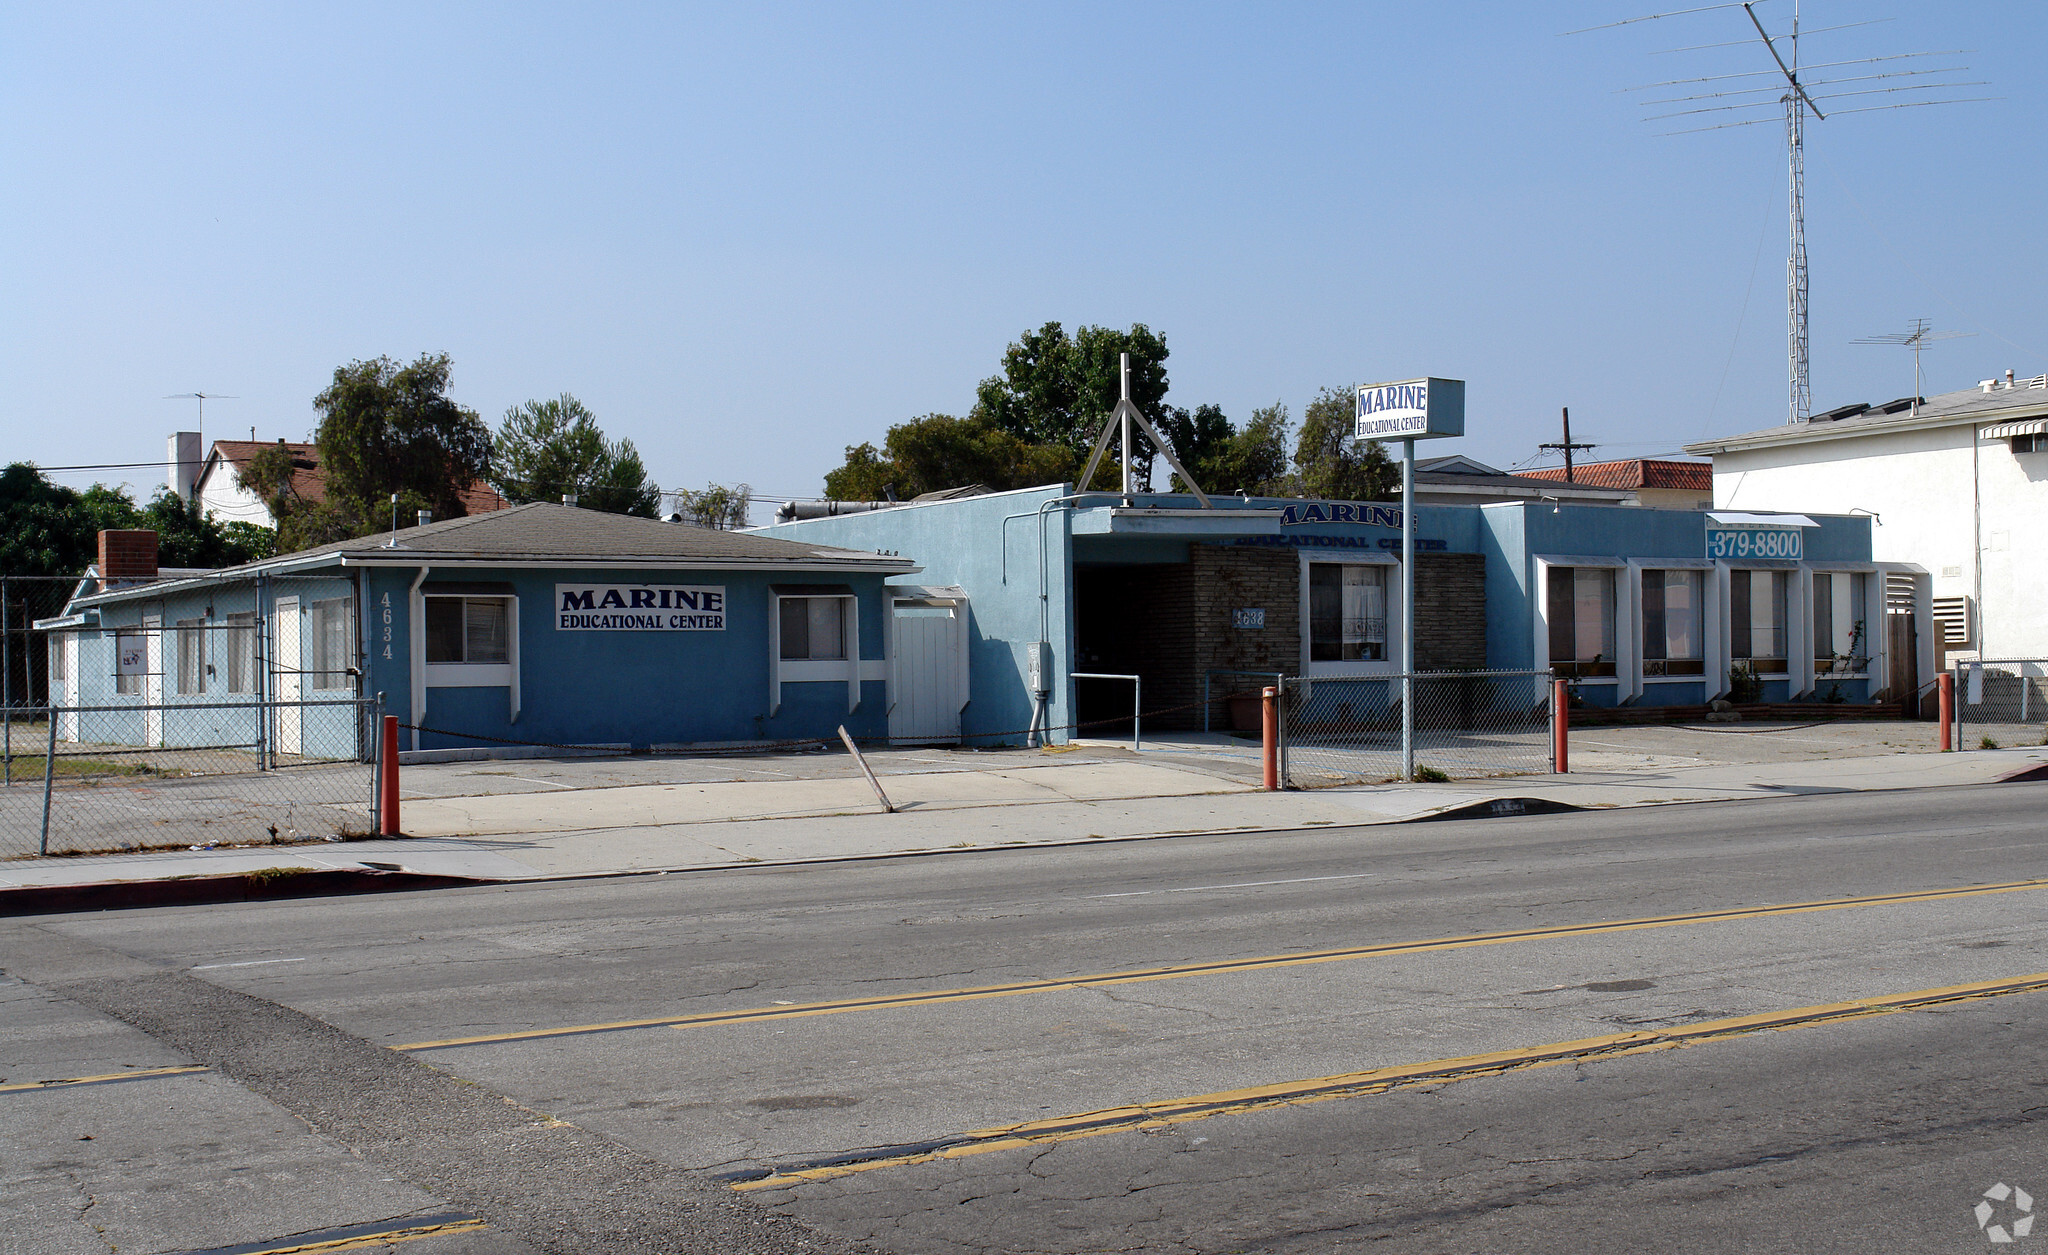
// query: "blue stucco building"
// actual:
[[539, 625]]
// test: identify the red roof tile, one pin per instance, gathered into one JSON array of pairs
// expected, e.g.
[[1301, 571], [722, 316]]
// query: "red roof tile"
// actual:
[[1636, 473]]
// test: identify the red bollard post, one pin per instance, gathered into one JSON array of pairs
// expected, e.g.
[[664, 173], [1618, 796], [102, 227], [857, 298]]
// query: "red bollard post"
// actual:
[[387, 805], [1560, 728], [1269, 735], [1945, 686]]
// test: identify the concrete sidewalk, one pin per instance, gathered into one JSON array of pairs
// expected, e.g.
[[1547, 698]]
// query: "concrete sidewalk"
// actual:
[[544, 820]]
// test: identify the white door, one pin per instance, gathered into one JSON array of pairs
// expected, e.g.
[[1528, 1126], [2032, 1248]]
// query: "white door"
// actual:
[[66, 645], [930, 670], [153, 680], [286, 680]]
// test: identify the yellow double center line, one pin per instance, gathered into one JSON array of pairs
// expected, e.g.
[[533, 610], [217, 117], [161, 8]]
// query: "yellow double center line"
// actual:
[[890, 1002], [1159, 1115]]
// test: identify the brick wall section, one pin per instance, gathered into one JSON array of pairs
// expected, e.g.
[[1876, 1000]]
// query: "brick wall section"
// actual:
[[127, 554], [1450, 611], [1172, 624]]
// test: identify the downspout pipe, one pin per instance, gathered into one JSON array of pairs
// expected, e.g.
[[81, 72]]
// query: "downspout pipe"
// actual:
[[416, 651]]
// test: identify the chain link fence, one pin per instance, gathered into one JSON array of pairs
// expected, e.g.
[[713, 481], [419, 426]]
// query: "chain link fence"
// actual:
[[1468, 725], [2002, 701], [220, 714]]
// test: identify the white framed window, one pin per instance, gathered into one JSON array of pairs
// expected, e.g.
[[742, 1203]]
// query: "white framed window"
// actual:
[[239, 642], [191, 634], [469, 630], [1673, 625], [1756, 620], [1347, 612], [1841, 643], [813, 629], [332, 623], [1580, 605]]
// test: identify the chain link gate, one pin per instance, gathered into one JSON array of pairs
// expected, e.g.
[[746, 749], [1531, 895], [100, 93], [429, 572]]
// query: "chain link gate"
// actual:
[[1468, 724], [2003, 701]]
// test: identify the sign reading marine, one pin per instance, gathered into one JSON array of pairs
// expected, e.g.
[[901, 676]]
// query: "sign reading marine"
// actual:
[[639, 608], [1413, 409]]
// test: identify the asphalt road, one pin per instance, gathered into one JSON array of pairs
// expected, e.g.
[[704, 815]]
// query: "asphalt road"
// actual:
[[1462, 1036]]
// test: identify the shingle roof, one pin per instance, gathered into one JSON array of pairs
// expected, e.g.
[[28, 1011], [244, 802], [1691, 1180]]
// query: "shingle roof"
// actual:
[[541, 530], [309, 482], [1636, 473]]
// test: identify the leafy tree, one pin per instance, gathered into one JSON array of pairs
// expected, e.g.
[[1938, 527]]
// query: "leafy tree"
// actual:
[[718, 505], [48, 529], [546, 450], [1330, 464], [1059, 389], [938, 451], [269, 474], [1250, 460], [386, 428]]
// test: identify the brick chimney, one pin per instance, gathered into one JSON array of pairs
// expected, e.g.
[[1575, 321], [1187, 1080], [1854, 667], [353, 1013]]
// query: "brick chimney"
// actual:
[[127, 555]]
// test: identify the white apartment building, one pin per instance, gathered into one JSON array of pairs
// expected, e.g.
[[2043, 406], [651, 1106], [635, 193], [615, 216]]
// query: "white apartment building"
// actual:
[[1956, 487]]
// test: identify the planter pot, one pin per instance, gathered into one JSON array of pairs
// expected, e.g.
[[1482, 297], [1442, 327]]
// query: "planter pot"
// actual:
[[1246, 714]]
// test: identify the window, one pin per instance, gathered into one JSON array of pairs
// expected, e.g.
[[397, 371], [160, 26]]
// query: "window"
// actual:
[[1756, 620], [1839, 643], [131, 660], [191, 655], [333, 651], [468, 629], [813, 628], [2036, 443], [1347, 612], [1581, 604], [1671, 623], [239, 639]]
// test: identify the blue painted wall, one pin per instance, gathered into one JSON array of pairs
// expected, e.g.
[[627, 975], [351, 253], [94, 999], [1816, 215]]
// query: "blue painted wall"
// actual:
[[977, 545], [640, 688]]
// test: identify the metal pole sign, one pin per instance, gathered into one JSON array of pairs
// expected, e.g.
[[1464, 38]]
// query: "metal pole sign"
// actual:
[[1409, 410]]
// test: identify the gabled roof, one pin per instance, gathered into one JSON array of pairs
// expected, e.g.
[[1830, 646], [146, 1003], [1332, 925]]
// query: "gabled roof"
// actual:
[[543, 534], [1635, 473], [309, 482], [2024, 398]]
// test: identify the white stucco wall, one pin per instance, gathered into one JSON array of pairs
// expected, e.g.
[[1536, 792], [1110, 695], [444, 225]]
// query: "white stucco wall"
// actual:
[[220, 497], [1926, 487]]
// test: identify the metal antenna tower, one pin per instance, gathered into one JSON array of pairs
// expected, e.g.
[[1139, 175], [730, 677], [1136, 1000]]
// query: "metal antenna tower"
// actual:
[[1918, 338], [202, 398], [1796, 100]]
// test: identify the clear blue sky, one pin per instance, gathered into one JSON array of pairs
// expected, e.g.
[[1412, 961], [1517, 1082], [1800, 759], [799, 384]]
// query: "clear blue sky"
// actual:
[[748, 236]]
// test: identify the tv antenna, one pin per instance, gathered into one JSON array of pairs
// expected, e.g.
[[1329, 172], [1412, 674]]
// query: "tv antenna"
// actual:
[[1796, 96], [1918, 338], [202, 398]]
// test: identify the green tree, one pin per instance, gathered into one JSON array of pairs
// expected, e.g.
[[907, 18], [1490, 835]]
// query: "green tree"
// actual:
[[546, 450], [934, 452], [48, 529], [718, 506], [385, 429], [1251, 460], [1330, 464], [1060, 389]]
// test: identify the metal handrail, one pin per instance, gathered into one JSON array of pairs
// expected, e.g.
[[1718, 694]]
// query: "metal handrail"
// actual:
[[1136, 706]]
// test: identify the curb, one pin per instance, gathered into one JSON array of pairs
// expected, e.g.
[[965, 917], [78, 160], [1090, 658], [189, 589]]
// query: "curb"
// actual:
[[109, 895]]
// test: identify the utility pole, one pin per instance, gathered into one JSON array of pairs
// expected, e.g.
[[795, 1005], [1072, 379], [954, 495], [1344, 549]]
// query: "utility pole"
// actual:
[[1566, 445]]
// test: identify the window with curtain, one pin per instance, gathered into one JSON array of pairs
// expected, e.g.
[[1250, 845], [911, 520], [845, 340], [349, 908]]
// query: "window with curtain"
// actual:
[[469, 629], [1672, 623], [813, 628], [191, 634], [1756, 620], [1347, 612], [239, 640], [332, 623], [1581, 605]]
